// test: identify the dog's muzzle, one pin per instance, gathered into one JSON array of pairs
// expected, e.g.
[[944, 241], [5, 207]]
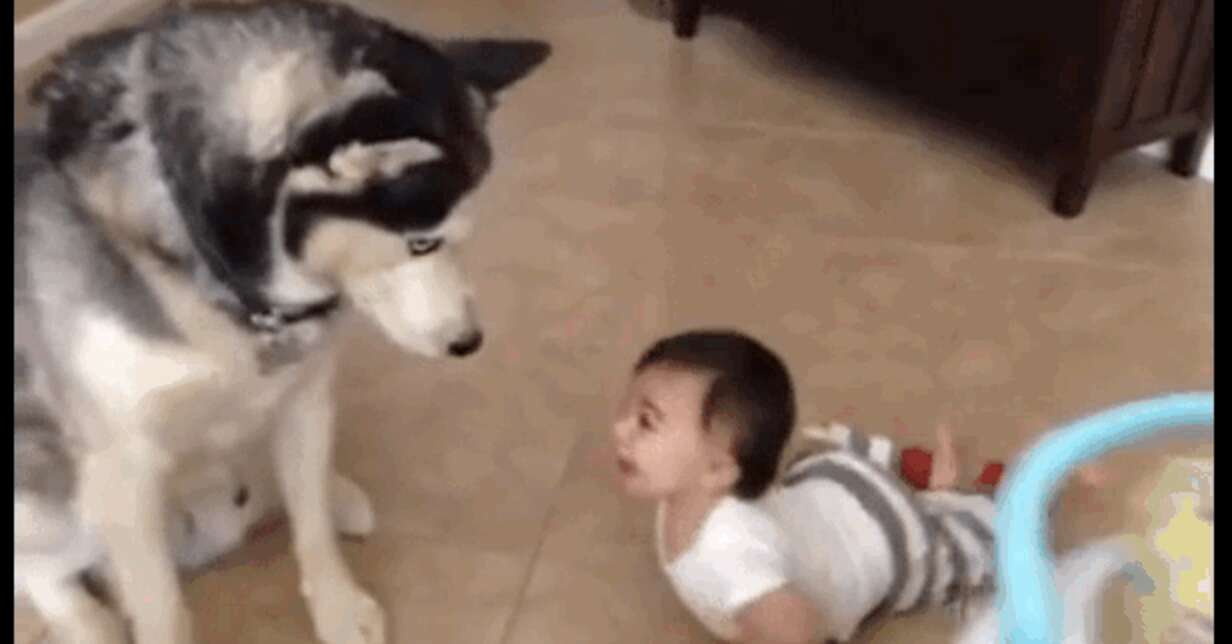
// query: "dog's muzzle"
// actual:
[[422, 305]]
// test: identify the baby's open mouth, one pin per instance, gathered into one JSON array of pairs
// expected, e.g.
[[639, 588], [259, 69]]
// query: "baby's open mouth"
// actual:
[[625, 465]]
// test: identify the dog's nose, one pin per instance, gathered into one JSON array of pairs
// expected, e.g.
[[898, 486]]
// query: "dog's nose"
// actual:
[[467, 345]]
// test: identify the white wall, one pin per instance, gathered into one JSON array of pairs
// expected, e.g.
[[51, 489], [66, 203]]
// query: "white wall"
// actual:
[[1207, 170]]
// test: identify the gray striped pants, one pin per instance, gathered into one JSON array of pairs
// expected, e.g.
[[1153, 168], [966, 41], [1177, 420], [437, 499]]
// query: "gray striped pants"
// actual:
[[941, 540]]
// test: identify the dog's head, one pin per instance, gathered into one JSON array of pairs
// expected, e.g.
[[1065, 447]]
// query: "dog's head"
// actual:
[[306, 151]]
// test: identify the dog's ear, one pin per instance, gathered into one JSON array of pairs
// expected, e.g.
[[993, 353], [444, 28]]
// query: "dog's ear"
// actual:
[[493, 65], [80, 107]]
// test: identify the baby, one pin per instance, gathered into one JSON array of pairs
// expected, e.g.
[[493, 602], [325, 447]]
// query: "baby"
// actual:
[[807, 557]]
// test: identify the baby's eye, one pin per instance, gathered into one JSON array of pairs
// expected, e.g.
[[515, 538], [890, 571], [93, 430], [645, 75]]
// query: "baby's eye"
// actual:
[[643, 421]]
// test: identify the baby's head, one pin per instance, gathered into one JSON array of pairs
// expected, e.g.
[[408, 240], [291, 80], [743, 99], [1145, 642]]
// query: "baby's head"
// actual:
[[705, 411]]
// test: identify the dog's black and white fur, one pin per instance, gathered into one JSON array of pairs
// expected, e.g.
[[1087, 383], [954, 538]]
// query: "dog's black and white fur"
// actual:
[[208, 194]]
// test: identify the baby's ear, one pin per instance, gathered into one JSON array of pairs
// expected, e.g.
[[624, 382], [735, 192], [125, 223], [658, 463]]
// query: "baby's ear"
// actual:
[[724, 471]]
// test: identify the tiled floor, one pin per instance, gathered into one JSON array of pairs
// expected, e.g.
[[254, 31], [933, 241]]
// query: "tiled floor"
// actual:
[[643, 185]]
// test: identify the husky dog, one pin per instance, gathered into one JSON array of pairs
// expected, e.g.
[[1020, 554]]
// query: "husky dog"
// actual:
[[208, 193]]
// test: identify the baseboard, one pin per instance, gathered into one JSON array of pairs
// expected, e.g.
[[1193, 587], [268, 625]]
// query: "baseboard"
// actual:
[[49, 30], [1206, 170]]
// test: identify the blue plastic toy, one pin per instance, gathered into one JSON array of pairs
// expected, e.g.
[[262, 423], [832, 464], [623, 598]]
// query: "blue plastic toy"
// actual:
[[1029, 608]]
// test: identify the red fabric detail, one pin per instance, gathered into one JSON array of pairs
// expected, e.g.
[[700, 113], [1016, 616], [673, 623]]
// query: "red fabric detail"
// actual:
[[991, 475], [916, 467]]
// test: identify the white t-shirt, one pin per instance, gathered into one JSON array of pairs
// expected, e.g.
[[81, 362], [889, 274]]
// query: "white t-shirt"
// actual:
[[744, 550], [738, 555]]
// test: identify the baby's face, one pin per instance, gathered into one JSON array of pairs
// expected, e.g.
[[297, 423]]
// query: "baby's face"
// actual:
[[658, 433]]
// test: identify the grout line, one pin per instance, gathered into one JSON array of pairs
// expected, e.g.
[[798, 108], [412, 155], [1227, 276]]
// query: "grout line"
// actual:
[[999, 253], [516, 608], [879, 134]]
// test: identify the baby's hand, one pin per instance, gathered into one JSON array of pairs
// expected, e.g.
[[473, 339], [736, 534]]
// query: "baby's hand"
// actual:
[[783, 616], [1092, 475]]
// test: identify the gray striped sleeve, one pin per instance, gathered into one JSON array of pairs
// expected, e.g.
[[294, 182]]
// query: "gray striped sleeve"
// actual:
[[970, 548], [957, 563], [875, 502], [859, 442], [980, 529]]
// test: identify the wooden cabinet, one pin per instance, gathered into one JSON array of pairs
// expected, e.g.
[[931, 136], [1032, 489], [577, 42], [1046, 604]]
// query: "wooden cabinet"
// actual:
[[1155, 80], [1089, 79]]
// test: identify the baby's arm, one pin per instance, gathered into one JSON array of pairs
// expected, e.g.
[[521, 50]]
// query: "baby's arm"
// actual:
[[782, 616]]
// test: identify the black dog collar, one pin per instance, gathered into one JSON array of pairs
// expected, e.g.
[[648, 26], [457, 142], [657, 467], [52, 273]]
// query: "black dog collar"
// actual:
[[274, 318]]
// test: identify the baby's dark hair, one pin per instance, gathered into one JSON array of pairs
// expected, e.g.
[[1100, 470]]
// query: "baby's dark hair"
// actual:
[[751, 390]]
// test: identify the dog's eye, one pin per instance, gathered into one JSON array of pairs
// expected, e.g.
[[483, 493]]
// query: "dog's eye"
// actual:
[[423, 246]]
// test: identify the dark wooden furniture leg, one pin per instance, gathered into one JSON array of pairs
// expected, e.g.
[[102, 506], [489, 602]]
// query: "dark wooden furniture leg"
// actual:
[[685, 16], [1187, 152], [1074, 186]]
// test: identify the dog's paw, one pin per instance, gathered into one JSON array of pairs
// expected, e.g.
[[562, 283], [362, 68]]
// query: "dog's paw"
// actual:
[[344, 614], [352, 509]]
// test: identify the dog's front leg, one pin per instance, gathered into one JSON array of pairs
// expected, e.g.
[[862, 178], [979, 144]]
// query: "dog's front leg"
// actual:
[[122, 496], [342, 613], [73, 616]]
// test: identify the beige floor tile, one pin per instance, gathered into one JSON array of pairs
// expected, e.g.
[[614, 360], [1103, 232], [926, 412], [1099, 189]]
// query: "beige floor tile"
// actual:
[[27, 627]]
